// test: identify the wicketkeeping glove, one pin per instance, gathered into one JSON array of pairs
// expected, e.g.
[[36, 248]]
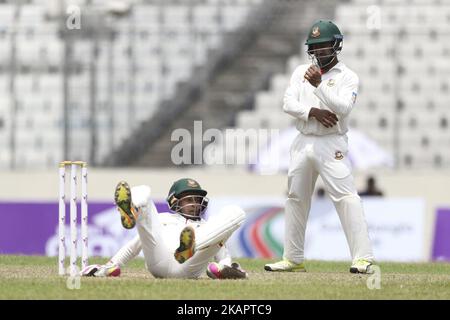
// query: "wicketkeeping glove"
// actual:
[[97, 270]]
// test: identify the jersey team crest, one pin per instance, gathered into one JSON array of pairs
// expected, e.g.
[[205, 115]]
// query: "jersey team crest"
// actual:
[[315, 32], [192, 183], [338, 155]]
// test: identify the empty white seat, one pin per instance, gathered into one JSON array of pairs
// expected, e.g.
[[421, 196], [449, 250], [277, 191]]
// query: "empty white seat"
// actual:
[[27, 51], [5, 48], [200, 53], [279, 83], [24, 82], [233, 17], [279, 121], [266, 101], [7, 12], [147, 14], [31, 15], [350, 12], [4, 86], [5, 159], [247, 120], [205, 18], [371, 109], [176, 15], [293, 62], [373, 132]]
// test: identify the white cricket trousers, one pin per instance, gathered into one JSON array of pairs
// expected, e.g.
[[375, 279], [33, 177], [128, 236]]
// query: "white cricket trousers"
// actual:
[[322, 155], [209, 238]]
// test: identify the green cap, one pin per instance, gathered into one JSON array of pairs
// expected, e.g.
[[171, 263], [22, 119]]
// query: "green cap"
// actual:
[[323, 31], [185, 185]]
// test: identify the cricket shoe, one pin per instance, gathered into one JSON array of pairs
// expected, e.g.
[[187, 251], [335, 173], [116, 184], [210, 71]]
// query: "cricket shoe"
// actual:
[[362, 266], [217, 271], [96, 270], [187, 245], [285, 266], [122, 198]]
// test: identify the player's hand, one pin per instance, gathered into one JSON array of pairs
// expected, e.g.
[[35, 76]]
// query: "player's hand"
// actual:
[[313, 76], [327, 118]]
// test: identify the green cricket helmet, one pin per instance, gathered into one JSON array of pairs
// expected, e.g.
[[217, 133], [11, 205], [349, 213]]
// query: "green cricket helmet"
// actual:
[[324, 31], [187, 198]]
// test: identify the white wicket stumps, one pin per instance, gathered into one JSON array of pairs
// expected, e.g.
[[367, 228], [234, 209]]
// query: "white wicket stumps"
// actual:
[[73, 216]]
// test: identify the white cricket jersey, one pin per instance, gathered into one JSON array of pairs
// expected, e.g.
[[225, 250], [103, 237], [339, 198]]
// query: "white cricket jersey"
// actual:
[[173, 224], [337, 93]]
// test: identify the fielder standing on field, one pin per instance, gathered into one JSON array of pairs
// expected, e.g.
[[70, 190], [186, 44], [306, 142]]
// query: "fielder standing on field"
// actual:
[[321, 96]]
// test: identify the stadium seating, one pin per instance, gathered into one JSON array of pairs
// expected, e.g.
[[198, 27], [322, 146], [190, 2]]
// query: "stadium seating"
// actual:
[[155, 47], [402, 63]]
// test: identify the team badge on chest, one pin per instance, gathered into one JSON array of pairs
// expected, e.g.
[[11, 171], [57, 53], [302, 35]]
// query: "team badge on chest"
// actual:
[[331, 83], [338, 155]]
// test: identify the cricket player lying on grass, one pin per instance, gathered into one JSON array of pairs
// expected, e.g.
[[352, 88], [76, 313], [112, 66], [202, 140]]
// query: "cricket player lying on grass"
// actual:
[[180, 244]]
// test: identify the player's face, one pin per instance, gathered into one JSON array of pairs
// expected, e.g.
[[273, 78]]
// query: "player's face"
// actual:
[[323, 52], [191, 205]]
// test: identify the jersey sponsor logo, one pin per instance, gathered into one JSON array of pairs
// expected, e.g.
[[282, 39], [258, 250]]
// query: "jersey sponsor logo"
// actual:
[[354, 97], [315, 32], [338, 155], [331, 83]]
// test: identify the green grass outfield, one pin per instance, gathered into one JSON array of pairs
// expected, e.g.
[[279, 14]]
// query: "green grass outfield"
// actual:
[[24, 277]]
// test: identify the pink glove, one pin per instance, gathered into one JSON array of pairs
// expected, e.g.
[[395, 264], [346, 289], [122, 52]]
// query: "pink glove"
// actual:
[[217, 271]]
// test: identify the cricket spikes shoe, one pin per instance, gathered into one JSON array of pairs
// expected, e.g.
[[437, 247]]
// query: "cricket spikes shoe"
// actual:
[[187, 245], [128, 212], [362, 266], [285, 266], [217, 271]]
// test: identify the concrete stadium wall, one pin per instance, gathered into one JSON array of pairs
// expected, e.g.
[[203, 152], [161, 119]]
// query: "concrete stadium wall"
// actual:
[[433, 186]]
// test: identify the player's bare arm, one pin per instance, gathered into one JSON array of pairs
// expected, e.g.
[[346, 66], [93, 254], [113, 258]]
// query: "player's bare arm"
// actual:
[[313, 76], [325, 117]]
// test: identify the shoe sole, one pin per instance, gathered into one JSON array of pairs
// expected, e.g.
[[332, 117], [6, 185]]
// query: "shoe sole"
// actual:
[[355, 270], [187, 245], [267, 268], [122, 198]]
